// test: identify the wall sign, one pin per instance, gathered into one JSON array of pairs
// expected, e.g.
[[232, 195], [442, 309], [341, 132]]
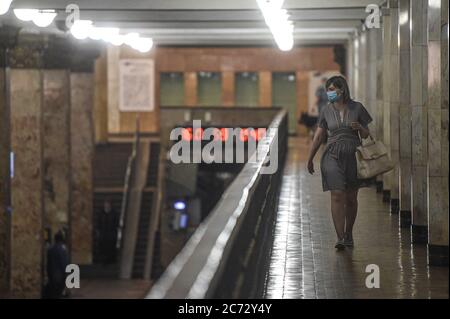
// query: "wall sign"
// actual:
[[136, 83]]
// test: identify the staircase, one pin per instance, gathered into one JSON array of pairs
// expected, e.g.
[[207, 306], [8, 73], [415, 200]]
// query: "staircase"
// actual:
[[152, 181], [142, 241], [110, 163], [140, 252], [140, 208], [152, 175], [157, 268]]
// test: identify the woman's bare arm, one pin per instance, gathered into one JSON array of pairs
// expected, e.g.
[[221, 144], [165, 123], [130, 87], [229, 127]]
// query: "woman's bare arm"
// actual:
[[317, 141]]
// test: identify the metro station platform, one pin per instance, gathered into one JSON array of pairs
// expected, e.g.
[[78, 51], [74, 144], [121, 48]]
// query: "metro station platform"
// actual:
[[305, 264]]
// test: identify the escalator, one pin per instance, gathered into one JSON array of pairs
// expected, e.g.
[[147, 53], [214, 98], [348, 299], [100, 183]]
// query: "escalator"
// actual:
[[109, 167], [140, 253], [142, 241], [111, 162], [139, 232]]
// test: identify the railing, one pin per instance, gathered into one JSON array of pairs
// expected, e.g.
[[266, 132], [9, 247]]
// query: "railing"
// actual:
[[126, 188], [228, 254]]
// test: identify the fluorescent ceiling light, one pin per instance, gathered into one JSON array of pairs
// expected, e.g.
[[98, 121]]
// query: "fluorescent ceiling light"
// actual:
[[81, 29], [44, 18], [41, 18], [136, 42], [25, 14], [4, 6], [277, 19]]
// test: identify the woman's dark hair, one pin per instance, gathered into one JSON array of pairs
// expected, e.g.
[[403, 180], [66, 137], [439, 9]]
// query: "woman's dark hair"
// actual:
[[341, 83]]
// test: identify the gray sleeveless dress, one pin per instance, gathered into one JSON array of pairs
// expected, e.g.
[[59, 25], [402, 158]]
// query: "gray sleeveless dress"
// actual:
[[338, 162]]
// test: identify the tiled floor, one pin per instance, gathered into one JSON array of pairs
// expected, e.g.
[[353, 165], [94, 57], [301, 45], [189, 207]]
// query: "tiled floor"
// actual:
[[305, 264]]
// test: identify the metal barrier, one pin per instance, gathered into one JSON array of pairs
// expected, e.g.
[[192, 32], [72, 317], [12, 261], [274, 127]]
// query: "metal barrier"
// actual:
[[227, 256], [126, 187]]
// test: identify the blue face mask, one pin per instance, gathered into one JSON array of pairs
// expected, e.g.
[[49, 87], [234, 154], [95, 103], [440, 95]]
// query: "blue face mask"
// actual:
[[333, 96]]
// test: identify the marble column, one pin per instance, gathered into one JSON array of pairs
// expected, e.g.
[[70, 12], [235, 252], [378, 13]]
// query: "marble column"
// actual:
[[56, 135], [373, 49], [82, 143], [387, 33], [419, 87], [190, 89], [228, 91], [350, 66], [404, 32], [112, 67], [437, 108], [394, 131], [101, 100], [26, 129], [5, 218], [362, 68], [379, 114], [356, 65]]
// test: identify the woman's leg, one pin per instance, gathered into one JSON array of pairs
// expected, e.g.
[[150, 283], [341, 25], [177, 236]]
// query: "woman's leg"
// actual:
[[351, 204], [338, 200]]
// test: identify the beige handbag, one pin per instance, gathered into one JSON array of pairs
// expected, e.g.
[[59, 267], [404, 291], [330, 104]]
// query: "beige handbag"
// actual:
[[372, 159]]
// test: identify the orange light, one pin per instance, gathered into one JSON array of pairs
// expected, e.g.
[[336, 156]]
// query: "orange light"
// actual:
[[224, 133], [243, 135], [198, 134], [186, 134]]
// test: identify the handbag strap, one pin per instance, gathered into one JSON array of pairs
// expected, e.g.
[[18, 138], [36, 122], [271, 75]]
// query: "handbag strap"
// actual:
[[361, 139]]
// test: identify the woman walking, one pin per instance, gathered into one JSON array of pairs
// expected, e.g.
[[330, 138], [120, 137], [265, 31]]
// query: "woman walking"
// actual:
[[345, 121]]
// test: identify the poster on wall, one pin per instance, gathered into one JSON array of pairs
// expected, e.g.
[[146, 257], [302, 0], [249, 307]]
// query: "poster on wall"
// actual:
[[136, 83]]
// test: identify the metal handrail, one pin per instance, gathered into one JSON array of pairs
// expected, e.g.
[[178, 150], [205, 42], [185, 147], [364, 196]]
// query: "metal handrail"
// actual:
[[197, 269], [127, 183]]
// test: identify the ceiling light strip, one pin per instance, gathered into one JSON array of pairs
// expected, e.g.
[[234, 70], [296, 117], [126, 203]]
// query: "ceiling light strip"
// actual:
[[277, 19], [81, 29]]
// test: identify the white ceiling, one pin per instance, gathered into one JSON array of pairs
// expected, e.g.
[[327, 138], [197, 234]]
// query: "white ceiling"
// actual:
[[213, 22]]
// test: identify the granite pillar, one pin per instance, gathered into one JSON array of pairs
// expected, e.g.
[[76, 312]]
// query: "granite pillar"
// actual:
[[82, 143], [394, 131], [419, 87], [362, 68], [404, 32], [101, 100], [373, 49], [112, 67], [379, 114], [26, 130], [356, 65], [350, 66], [5, 218], [387, 33], [437, 108], [56, 133]]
